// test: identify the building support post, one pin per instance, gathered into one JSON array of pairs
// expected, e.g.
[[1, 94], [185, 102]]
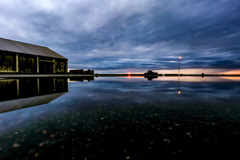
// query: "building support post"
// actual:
[[66, 66], [54, 70], [37, 64], [17, 64]]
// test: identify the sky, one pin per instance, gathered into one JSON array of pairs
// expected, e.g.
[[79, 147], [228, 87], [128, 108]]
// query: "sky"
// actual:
[[130, 35]]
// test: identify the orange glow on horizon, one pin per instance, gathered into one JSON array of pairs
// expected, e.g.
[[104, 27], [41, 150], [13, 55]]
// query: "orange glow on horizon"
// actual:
[[197, 71], [231, 78], [193, 71], [231, 72], [129, 75], [179, 57], [175, 71], [179, 92]]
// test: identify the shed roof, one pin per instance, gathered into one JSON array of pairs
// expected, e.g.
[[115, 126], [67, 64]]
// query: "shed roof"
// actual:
[[20, 47]]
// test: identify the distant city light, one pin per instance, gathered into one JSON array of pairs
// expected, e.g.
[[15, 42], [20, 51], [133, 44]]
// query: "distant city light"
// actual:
[[179, 57], [179, 92]]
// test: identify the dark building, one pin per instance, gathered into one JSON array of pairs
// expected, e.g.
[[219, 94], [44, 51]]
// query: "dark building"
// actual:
[[150, 75], [19, 57], [81, 71]]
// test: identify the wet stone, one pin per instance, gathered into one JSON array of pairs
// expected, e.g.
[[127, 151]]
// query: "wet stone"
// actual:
[[15, 145]]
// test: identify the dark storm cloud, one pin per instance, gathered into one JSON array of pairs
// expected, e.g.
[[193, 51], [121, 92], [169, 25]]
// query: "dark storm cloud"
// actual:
[[146, 34]]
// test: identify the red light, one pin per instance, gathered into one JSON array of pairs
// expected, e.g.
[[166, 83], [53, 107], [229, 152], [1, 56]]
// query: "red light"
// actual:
[[129, 75]]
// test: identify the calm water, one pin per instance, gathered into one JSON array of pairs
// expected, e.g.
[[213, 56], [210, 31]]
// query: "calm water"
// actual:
[[119, 118]]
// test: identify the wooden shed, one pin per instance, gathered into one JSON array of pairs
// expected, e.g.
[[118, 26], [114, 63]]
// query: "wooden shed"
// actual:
[[19, 57]]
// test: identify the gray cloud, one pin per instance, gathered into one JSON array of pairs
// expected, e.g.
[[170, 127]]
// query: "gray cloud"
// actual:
[[146, 34]]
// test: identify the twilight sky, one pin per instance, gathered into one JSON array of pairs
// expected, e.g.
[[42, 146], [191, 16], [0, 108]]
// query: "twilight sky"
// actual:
[[129, 35]]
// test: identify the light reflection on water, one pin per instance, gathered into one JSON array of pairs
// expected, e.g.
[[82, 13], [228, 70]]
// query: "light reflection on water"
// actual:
[[39, 116]]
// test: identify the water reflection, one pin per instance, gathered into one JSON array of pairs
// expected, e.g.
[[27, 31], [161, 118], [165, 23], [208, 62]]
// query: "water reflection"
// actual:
[[91, 78], [150, 77], [121, 118], [27, 92]]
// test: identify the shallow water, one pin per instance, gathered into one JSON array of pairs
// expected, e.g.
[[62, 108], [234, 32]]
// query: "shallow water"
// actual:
[[119, 118]]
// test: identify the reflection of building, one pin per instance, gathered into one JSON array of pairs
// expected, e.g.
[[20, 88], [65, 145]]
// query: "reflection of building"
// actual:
[[150, 75], [27, 92], [18, 57], [90, 78]]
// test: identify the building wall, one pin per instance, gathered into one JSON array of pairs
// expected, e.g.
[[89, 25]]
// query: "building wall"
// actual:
[[46, 65], [60, 66], [7, 62], [24, 63], [27, 63]]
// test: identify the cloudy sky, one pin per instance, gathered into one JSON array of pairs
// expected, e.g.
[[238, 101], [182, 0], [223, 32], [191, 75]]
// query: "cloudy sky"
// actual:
[[129, 35]]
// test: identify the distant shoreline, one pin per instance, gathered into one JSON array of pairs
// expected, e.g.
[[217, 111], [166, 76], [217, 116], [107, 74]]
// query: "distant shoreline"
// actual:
[[174, 75], [17, 75]]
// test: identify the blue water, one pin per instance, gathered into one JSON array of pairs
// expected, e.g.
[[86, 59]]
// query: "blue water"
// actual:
[[119, 118]]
